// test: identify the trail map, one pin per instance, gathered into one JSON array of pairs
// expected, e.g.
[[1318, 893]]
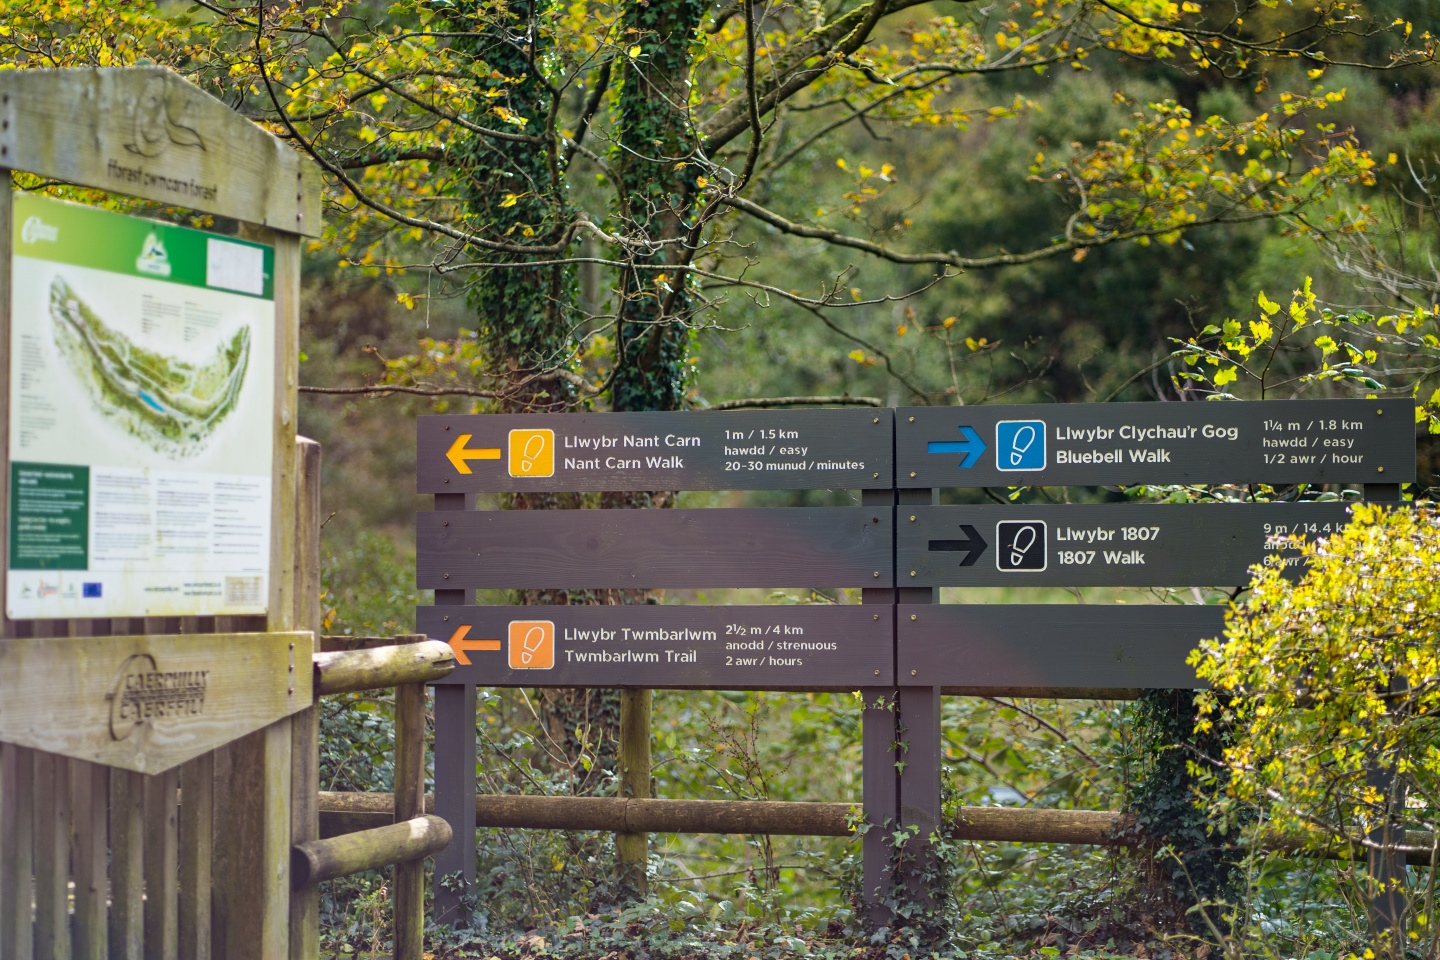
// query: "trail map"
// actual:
[[140, 424]]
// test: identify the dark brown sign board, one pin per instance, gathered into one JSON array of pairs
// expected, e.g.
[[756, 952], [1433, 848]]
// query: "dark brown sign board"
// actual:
[[1094, 444], [741, 547], [846, 449], [1109, 544], [1078, 646], [805, 647]]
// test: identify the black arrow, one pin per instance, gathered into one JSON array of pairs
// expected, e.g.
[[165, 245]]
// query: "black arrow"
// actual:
[[974, 547]]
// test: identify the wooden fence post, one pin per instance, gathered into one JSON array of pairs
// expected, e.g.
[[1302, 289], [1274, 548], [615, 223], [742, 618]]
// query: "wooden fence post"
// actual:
[[880, 784], [633, 849], [1387, 870], [305, 725], [408, 883]]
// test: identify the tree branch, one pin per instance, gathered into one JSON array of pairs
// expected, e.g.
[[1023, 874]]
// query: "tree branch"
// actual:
[[752, 402]]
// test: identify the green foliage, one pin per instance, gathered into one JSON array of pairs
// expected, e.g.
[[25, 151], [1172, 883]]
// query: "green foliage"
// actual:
[[512, 191], [1329, 680]]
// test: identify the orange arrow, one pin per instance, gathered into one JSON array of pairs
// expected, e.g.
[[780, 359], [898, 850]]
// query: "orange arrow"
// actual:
[[460, 644], [458, 454]]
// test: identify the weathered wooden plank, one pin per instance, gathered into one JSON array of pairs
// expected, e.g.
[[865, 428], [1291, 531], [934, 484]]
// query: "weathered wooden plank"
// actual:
[[305, 725], [162, 866], [17, 830], [729, 547], [256, 885], [223, 824], [52, 855], [150, 133], [104, 687], [127, 875], [409, 876], [89, 784], [196, 845], [285, 470]]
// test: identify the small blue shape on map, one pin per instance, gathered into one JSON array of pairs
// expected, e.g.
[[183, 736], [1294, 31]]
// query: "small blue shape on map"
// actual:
[[1020, 445]]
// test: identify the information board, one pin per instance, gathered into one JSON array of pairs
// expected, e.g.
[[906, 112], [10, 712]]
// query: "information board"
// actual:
[[141, 417], [1105, 544], [738, 547], [1079, 646], [717, 450], [803, 647], [1092, 444]]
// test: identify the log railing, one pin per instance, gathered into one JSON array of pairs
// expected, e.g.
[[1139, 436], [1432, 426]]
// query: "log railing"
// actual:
[[343, 813], [407, 834]]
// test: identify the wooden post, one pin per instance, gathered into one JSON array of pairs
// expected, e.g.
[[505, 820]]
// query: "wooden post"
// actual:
[[52, 855], [880, 784], [632, 850], [197, 785], [162, 866], [17, 830], [305, 725], [920, 717], [408, 884], [89, 786], [1387, 870], [455, 765], [127, 877]]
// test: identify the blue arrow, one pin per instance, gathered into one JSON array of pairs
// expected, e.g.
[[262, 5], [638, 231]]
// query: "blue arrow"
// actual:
[[972, 446]]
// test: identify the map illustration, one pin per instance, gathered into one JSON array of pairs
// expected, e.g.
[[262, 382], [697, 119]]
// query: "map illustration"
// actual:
[[171, 405]]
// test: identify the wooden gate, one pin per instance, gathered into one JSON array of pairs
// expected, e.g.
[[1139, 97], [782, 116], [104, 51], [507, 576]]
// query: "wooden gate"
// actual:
[[157, 762]]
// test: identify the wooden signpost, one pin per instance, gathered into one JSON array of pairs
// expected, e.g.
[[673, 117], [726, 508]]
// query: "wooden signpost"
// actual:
[[1106, 544], [740, 547], [1089, 444], [739, 450], [899, 648], [158, 627], [802, 647]]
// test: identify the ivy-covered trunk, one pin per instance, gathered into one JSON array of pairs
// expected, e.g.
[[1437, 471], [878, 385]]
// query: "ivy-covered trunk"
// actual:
[[656, 147], [655, 144], [514, 191]]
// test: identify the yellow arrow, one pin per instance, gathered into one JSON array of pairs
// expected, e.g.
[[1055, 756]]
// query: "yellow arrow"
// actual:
[[458, 454]]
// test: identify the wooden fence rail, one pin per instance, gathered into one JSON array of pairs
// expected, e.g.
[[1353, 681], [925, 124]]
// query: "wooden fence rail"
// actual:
[[343, 813], [407, 835]]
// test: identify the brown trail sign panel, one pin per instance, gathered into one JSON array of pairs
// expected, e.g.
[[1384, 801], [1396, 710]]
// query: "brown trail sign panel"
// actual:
[[1090, 444], [801, 647], [1104, 544], [794, 547], [720, 450], [1079, 646]]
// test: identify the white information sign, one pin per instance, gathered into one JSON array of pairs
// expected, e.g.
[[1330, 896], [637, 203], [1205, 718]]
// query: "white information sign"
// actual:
[[141, 407]]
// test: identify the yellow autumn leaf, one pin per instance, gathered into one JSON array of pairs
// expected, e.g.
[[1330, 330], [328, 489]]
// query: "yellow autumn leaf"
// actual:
[[633, 52]]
